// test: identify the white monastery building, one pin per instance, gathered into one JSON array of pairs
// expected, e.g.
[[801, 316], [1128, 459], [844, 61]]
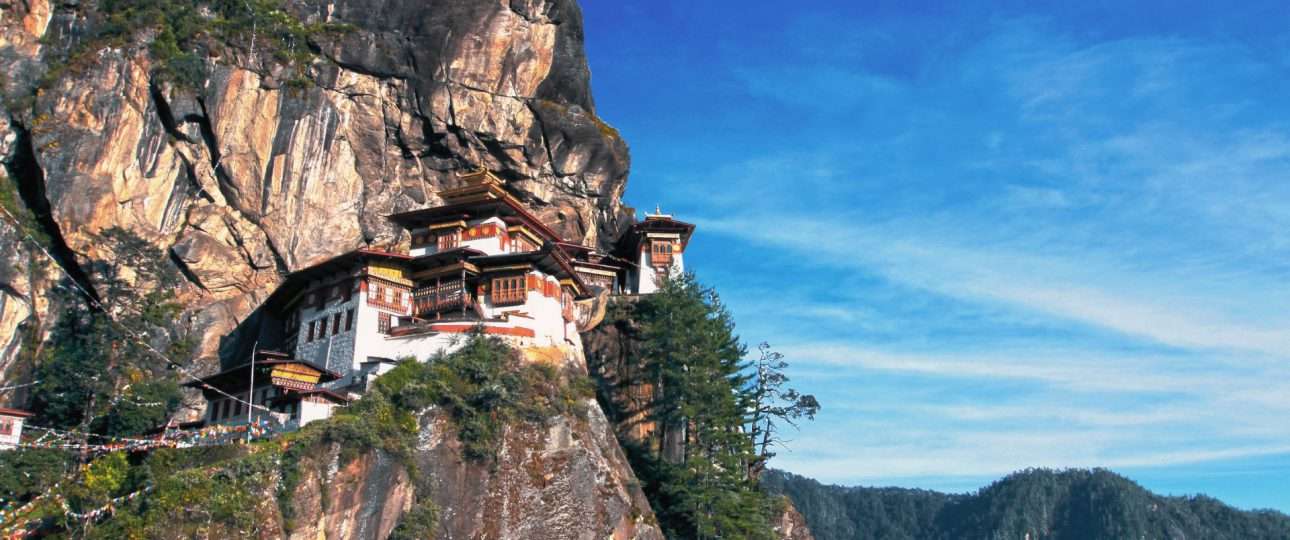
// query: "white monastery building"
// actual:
[[480, 262]]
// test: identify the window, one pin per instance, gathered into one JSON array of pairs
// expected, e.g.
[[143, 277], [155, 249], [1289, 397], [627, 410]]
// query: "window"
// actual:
[[349, 320], [335, 324], [322, 327], [6, 426], [383, 324], [509, 290], [311, 332], [321, 298], [520, 243], [398, 297], [449, 240], [662, 251]]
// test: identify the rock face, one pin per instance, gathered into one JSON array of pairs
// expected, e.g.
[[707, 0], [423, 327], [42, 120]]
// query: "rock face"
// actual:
[[566, 480], [246, 179], [791, 525], [569, 480]]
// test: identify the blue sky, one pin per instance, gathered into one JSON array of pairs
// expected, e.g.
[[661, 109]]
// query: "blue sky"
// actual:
[[988, 238]]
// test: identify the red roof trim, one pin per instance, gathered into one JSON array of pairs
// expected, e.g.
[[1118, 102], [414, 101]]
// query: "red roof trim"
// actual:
[[5, 411]]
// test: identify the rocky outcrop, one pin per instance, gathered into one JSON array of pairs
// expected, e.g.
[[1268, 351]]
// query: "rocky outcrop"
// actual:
[[362, 500], [245, 179], [565, 479], [790, 525]]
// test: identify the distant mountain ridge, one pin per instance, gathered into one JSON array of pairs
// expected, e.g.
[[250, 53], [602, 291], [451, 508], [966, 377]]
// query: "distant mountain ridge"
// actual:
[[1032, 504]]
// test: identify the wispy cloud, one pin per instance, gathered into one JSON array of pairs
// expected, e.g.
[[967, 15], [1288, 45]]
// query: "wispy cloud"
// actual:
[[1091, 291], [993, 241]]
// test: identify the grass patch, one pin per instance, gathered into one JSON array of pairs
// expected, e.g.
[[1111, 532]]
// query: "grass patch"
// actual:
[[185, 38]]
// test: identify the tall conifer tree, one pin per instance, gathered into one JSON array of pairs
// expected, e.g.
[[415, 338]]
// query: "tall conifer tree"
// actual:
[[694, 361]]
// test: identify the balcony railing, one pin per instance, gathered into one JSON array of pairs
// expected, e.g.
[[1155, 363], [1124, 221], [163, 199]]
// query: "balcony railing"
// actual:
[[440, 298]]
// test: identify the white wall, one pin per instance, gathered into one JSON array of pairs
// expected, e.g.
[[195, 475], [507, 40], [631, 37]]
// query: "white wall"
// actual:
[[335, 351], [545, 316], [310, 411], [14, 436], [490, 245], [646, 279]]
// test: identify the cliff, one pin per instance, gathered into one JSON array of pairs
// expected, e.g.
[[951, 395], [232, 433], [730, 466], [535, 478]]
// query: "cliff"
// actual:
[[249, 176], [566, 479]]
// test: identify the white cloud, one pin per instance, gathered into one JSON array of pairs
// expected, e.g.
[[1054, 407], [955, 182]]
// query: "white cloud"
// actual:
[[1087, 290]]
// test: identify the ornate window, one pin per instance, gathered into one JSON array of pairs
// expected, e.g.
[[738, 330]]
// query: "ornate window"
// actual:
[[383, 323], [509, 290], [449, 240], [661, 251], [521, 243]]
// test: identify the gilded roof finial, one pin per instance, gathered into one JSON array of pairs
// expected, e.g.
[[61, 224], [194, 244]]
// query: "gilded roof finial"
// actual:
[[658, 209]]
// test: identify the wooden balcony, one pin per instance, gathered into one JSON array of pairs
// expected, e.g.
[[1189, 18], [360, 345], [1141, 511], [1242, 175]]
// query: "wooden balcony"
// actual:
[[439, 298]]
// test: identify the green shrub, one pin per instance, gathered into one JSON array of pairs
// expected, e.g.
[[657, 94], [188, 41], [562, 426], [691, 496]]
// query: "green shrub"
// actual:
[[25, 473], [418, 523], [219, 491]]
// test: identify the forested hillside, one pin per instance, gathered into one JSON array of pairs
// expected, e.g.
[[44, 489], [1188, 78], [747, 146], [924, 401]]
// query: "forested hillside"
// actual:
[[1072, 504]]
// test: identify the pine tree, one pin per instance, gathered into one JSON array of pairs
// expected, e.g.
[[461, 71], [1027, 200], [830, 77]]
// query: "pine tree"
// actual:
[[97, 374], [772, 404], [694, 361]]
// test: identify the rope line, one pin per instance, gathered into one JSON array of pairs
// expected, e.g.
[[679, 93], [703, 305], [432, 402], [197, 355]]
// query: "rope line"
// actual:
[[129, 332]]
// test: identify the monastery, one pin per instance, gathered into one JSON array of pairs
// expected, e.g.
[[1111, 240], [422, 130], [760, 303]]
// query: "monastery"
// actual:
[[481, 261]]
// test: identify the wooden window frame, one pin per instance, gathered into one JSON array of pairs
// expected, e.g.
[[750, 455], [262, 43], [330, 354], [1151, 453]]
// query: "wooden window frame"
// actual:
[[384, 323], [662, 251], [509, 290], [445, 241], [6, 426]]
